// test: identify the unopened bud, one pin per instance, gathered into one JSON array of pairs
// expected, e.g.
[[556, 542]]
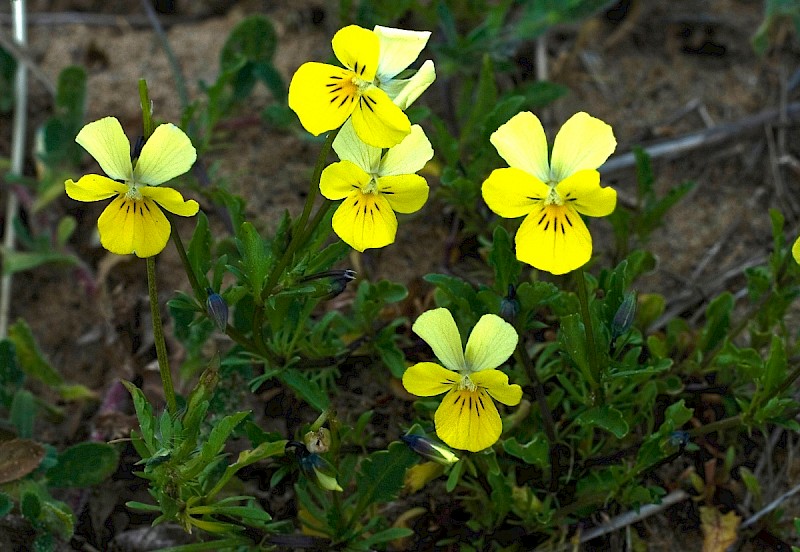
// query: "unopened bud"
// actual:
[[337, 281], [509, 306], [430, 450], [319, 470], [623, 319], [318, 441], [217, 309]]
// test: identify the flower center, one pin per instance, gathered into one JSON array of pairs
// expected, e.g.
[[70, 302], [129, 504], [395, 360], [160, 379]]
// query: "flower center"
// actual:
[[466, 384], [360, 84], [371, 187], [133, 192], [552, 197]]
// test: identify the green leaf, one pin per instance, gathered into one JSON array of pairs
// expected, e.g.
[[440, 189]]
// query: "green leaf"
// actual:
[[387, 535], [573, 339], [256, 259], [66, 227], [605, 417], [6, 504], [381, 475], [20, 261], [11, 377], [253, 40], [504, 261], [23, 413], [534, 452], [71, 96], [718, 320], [30, 504], [308, 390], [144, 412], [29, 357], [775, 367], [199, 250], [84, 465]]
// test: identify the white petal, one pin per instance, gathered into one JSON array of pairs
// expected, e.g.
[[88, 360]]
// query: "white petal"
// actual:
[[409, 156], [349, 147], [398, 49]]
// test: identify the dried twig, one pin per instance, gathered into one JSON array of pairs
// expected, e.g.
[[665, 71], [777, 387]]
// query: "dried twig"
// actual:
[[56, 19], [770, 507], [702, 138]]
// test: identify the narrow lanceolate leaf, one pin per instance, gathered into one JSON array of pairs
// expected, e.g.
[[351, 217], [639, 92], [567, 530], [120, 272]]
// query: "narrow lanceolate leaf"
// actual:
[[29, 357]]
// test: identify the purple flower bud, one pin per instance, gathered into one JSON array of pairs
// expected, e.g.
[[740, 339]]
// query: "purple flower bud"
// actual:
[[430, 450], [217, 309]]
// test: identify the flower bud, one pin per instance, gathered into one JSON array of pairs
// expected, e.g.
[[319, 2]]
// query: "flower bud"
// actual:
[[319, 470], [430, 450], [623, 319], [217, 309], [318, 441], [509, 306]]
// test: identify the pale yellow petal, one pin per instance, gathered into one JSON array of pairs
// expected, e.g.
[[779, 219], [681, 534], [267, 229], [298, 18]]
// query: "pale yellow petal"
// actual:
[[406, 193], [341, 179], [490, 344], [365, 221], [583, 193], [171, 200], [349, 147], [426, 379], [106, 142], [166, 154], [523, 144], [796, 250], [496, 384], [409, 156], [512, 193], [399, 48], [323, 96], [127, 226], [358, 49], [584, 142], [438, 329], [554, 239], [93, 187], [377, 121], [468, 420], [404, 92]]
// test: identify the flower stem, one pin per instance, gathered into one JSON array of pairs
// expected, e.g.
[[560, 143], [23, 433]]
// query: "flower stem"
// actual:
[[594, 365], [547, 417], [152, 288], [299, 236], [158, 336]]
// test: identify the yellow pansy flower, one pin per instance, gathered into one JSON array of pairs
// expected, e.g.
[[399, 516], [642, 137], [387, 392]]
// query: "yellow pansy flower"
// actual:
[[133, 221], [399, 48], [467, 417], [374, 185], [325, 96], [796, 250], [551, 193]]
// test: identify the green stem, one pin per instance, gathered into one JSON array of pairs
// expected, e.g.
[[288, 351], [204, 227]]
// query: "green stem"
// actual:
[[300, 234], [547, 417], [158, 336], [594, 365]]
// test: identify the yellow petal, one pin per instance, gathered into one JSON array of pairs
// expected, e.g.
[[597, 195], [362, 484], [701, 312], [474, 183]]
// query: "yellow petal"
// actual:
[[341, 179], [166, 154], [438, 329], [512, 193], [377, 121], [523, 144], [128, 226], [404, 92], [171, 200], [468, 420], [406, 193], [420, 475], [365, 221], [399, 48], [323, 96], [490, 344], [409, 156], [349, 147], [496, 384], [584, 142], [358, 49], [93, 187], [106, 142], [554, 239], [796, 250], [427, 379], [583, 192]]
